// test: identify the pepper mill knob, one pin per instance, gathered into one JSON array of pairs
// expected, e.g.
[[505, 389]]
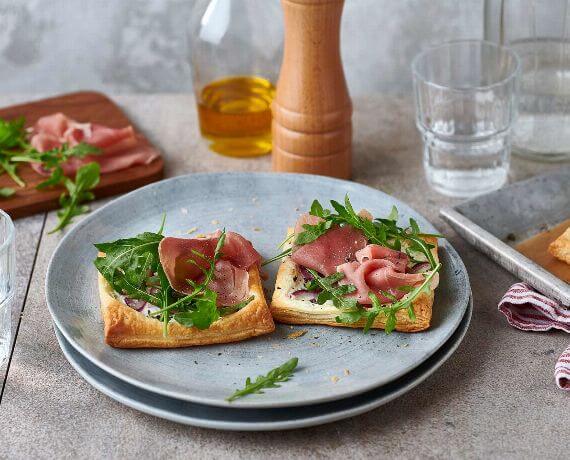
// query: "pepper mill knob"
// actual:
[[312, 111]]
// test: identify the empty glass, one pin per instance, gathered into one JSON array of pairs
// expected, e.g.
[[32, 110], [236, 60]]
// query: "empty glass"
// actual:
[[7, 280], [465, 93]]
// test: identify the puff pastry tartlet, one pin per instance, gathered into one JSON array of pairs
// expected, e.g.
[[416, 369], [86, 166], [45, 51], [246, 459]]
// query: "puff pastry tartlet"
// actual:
[[166, 292], [125, 327], [389, 284], [285, 308]]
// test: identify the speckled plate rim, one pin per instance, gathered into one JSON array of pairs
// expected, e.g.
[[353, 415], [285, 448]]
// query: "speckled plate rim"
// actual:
[[318, 414], [187, 396]]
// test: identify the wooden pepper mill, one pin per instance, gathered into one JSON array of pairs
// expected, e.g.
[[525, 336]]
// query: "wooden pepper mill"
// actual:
[[312, 128]]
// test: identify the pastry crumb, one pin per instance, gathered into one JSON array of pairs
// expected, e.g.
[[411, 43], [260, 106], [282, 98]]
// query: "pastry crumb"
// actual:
[[191, 230], [297, 334], [346, 372], [215, 222], [256, 229], [334, 379]]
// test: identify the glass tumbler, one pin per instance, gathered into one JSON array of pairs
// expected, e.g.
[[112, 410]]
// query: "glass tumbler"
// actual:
[[539, 32], [7, 280], [466, 103]]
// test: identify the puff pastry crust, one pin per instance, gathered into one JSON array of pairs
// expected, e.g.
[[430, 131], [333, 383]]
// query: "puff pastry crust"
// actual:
[[127, 328], [286, 309], [560, 247]]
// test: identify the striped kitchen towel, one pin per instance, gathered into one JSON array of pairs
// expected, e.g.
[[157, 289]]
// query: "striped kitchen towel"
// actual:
[[528, 310]]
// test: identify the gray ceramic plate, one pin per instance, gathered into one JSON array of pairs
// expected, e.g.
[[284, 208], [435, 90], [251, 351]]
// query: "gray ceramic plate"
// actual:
[[260, 207], [258, 419], [497, 221]]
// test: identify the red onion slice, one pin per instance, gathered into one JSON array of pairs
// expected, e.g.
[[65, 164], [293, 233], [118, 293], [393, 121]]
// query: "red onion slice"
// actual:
[[135, 304], [420, 268], [304, 294], [306, 274]]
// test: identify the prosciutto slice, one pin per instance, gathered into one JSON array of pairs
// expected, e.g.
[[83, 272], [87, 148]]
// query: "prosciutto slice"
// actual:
[[378, 269], [229, 282], [306, 219], [335, 247], [121, 148], [237, 253], [375, 251]]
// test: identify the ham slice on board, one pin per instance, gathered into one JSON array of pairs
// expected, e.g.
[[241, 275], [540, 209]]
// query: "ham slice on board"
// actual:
[[230, 275], [121, 148]]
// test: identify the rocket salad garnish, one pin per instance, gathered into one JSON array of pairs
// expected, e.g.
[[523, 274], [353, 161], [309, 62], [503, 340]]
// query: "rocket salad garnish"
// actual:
[[271, 380], [384, 232], [132, 267], [381, 231]]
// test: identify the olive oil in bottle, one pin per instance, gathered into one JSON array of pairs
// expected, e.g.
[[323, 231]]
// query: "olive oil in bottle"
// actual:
[[235, 115]]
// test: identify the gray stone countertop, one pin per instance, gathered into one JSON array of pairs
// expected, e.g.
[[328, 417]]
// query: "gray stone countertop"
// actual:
[[495, 397]]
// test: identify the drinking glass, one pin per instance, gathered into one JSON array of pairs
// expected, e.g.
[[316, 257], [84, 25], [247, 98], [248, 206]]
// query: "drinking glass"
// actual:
[[465, 94], [7, 280], [539, 32]]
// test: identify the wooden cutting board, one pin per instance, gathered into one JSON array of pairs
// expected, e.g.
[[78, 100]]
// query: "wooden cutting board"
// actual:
[[85, 106]]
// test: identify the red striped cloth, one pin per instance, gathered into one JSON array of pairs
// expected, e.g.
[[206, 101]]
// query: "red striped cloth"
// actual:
[[528, 310]]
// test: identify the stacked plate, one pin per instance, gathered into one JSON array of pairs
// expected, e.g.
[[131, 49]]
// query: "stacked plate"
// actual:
[[341, 372]]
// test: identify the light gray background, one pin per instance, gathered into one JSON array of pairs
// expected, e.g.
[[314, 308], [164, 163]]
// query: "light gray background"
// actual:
[[138, 46]]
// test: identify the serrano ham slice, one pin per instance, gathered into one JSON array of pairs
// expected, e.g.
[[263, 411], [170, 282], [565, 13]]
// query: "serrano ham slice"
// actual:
[[121, 148], [335, 247], [375, 251], [175, 255], [378, 269], [229, 282]]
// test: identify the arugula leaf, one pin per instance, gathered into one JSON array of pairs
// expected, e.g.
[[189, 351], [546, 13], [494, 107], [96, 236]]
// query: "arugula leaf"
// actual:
[[312, 232], [6, 192], [56, 156], [236, 307], [351, 316], [130, 259], [318, 210], [330, 290], [50, 160], [282, 254], [393, 216], [87, 178], [55, 179], [11, 170], [12, 133], [204, 314], [271, 380]]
